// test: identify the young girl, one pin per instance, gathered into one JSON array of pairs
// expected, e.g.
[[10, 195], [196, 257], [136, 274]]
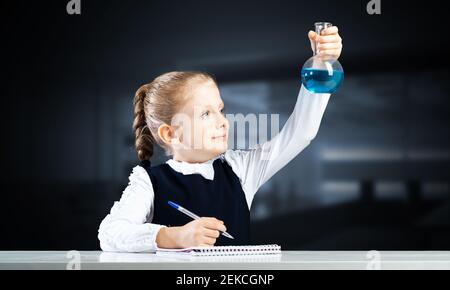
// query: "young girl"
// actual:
[[183, 113]]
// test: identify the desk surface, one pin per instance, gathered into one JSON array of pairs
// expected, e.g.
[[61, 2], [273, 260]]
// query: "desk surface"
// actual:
[[288, 260]]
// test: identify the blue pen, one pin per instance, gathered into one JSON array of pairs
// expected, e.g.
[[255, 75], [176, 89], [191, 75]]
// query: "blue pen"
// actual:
[[193, 215]]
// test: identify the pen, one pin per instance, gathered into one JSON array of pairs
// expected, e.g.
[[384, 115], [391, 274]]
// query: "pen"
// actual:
[[193, 215]]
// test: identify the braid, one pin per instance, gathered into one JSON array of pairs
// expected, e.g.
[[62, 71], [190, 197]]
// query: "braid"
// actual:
[[143, 137]]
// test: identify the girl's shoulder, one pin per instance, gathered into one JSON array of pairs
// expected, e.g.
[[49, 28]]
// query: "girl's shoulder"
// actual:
[[146, 164], [152, 169], [144, 173]]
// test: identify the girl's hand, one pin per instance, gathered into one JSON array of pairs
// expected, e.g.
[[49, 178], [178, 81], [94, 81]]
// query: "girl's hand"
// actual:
[[330, 43], [198, 233]]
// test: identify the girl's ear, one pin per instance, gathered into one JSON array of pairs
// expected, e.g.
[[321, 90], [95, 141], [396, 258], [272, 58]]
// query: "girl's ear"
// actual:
[[166, 134]]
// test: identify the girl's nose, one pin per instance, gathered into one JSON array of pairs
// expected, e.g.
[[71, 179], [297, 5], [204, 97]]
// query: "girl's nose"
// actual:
[[222, 121]]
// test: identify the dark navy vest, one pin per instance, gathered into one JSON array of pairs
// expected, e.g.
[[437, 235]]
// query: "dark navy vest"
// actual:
[[222, 198]]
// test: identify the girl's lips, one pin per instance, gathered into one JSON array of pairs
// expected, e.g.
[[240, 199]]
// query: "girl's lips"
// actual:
[[220, 137]]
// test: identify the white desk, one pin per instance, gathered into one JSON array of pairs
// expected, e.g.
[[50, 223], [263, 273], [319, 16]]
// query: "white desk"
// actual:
[[288, 260]]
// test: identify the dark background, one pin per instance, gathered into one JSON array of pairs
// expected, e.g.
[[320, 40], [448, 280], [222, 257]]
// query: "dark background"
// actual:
[[375, 177]]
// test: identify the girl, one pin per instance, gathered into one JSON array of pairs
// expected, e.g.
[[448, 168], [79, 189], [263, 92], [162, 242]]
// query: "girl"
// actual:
[[183, 113]]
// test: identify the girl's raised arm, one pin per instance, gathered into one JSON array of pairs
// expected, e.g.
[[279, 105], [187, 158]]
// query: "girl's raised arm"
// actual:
[[257, 165]]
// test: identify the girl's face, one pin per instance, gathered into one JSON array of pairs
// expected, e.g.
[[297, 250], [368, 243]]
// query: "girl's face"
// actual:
[[201, 129]]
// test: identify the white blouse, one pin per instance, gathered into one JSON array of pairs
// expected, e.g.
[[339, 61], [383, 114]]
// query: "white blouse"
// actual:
[[128, 227]]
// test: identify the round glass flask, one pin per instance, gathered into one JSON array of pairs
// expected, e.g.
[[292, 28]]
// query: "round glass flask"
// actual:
[[322, 73]]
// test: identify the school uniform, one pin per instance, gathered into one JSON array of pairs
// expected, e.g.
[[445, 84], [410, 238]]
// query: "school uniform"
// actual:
[[223, 187]]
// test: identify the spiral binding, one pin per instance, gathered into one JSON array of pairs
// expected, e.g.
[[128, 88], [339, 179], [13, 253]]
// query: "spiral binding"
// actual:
[[237, 250]]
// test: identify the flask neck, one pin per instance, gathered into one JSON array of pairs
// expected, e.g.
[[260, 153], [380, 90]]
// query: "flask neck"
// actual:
[[319, 26]]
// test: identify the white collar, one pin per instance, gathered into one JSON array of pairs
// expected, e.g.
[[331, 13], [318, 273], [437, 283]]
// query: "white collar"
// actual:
[[206, 169]]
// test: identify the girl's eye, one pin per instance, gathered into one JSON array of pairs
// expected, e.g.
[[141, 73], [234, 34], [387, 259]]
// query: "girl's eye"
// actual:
[[222, 111], [205, 114]]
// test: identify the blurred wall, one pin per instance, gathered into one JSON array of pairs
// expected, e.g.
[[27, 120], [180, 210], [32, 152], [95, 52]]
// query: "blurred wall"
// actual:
[[376, 176]]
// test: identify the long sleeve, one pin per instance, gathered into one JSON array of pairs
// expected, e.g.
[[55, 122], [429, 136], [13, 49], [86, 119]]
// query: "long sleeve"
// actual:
[[257, 165], [126, 227]]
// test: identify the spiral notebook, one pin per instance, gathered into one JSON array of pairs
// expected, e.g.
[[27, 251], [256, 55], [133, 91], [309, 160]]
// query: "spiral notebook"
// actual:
[[223, 250]]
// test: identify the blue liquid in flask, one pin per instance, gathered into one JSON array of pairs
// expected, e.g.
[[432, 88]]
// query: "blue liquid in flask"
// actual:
[[322, 73], [322, 81]]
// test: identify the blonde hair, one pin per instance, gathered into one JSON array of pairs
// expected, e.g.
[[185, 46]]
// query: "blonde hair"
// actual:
[[156, 103]]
